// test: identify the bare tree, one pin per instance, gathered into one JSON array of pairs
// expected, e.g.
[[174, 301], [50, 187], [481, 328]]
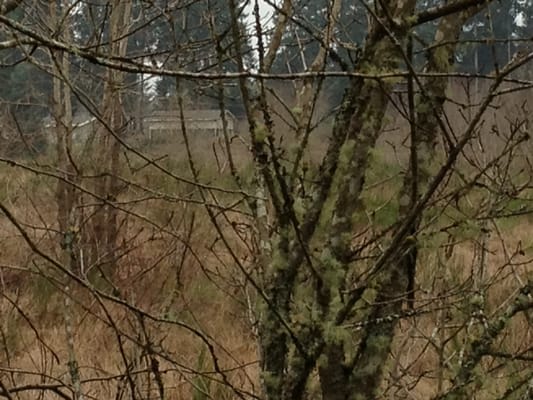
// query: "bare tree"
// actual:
[[375, 248]]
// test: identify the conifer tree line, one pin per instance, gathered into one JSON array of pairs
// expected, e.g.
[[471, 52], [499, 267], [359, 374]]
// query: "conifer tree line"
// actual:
[[493, 36], [183, 35]]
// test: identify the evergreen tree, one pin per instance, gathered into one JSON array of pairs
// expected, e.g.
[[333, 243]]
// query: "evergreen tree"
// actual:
[[498, 27], [25, 86], [198, 38], [301, 42]]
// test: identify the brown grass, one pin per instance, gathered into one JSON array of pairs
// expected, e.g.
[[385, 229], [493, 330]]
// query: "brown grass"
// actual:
[[209, 292]]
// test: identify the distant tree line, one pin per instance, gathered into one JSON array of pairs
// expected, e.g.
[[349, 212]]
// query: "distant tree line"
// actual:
[[196, 35], [192, 36]]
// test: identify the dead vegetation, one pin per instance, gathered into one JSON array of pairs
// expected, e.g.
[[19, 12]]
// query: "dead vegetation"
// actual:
[[175, 318]]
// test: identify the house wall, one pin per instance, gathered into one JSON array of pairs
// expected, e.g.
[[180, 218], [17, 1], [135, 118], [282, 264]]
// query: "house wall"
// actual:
[[158, 125]]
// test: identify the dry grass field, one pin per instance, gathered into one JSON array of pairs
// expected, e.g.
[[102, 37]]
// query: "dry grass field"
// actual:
[[175, 278]]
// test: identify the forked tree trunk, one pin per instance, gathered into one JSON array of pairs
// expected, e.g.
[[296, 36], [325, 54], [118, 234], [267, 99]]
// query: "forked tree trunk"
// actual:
[[350, 364]]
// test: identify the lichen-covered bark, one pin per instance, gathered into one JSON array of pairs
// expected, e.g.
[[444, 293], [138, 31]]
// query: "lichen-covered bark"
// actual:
[[304, 327], [287, 260], [343, 377], [398, 278], [480, 347], [426, 128], [355, 133], [273, 309]]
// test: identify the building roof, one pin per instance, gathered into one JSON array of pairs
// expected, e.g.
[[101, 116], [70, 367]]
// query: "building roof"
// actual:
[[195, 115], [78, 120]]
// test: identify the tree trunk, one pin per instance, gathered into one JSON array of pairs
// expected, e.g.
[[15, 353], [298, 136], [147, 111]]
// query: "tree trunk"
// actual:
[[105, 222], [66, 195]]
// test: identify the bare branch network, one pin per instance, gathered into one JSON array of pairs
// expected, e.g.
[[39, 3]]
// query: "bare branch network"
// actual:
[[276, 200]]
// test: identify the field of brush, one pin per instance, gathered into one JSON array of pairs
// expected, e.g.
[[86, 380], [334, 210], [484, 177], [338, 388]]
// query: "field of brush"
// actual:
[[179, 315]]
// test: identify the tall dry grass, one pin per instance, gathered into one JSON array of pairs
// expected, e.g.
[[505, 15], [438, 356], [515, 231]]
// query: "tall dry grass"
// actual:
[[174, 267]]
